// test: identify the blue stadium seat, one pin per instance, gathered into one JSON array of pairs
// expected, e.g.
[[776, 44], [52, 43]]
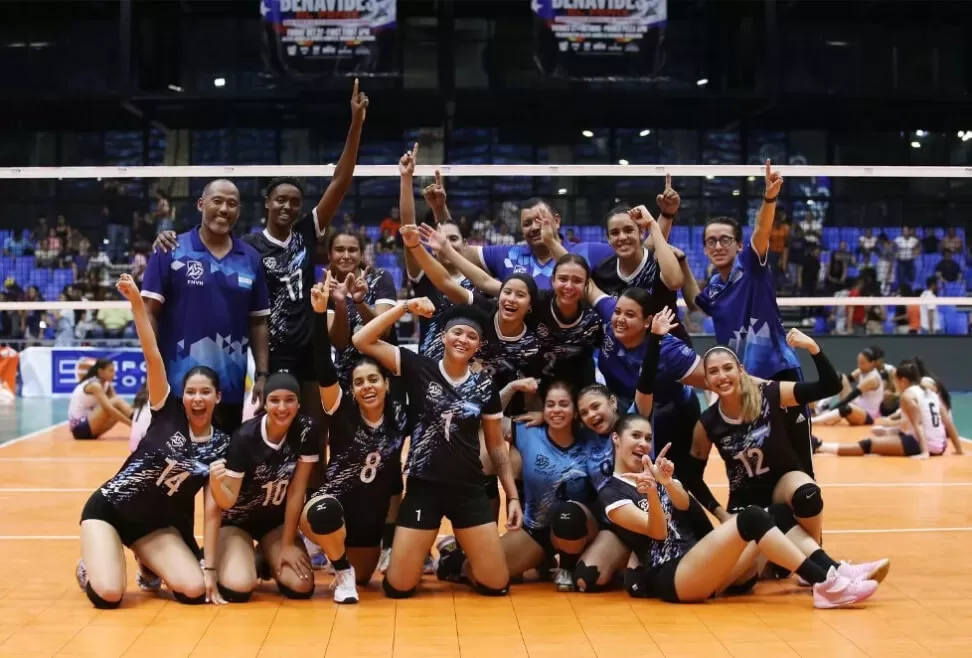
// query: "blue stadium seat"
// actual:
[[708, 327]]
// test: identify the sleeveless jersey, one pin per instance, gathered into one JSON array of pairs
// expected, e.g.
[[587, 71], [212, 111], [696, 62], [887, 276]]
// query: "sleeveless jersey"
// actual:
[[82, 403], [931, 407], [870, 401]]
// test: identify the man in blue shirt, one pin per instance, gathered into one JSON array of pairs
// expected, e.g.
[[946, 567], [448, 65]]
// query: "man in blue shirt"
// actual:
[[741, 300], [532, 255], [208, 303]]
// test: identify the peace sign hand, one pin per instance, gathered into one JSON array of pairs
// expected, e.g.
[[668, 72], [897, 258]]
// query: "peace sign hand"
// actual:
[[774, 181], [669, 200]]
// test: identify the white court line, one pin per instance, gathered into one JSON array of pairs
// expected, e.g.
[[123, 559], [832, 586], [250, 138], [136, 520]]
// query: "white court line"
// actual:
[[31, 435]]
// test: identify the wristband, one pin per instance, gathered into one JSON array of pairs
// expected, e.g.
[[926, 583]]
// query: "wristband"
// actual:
[[209, 569], [665, 215], [769, 200], [260, 373]]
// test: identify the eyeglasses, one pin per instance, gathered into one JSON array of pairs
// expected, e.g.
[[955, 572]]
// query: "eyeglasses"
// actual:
[[722, 241]]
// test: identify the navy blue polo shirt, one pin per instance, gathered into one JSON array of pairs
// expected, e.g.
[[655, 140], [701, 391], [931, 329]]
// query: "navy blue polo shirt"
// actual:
[[207, 303]]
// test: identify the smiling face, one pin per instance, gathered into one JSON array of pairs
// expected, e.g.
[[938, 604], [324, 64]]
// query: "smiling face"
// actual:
[[345, 255], [530, 227], [369, 387], [722, 373], [514, 301], [558, 408], [460, 342], [629, 321], [282, 406], [199, 397], [283, 206], [721, 245], [631, 445], [598, 411], [569, 281], [623, 235], [220, 207]]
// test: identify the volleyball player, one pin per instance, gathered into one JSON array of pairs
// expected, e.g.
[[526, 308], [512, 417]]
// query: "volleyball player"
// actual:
[[867, 390], [252, 487], [648, 509], [740, 297], [925, 429], [346, 516], [451, 402], [95, 408], [148, 505], [557, 519]]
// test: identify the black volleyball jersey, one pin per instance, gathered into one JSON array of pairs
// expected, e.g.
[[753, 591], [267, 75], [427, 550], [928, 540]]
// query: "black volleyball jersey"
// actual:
[[447, 416], [618, 492], [505, 358], [289, 269], [756, 454], [607, 275], [266, 468], [430, 329], [365, 464], [381, 290], [167, 469], [567, 347]]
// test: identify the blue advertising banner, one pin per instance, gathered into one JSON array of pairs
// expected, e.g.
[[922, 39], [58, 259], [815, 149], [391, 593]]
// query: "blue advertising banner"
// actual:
[[68, 366], [318, 36]]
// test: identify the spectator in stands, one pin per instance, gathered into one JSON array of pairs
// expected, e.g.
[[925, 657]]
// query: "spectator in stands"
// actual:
[[14, 293], [386, 243], [856, 315], [63, 323], [885, 264], [809, 278], [571, 238], [482, 224], [929, 243], [812, 227], [476, 239], [62, 229], [114, 215], [143, 231], [907, 247], [930, 322], [32, 320], [348, 224], [778, 239], [80, 261], [164, 212], [866, 246], [18, 245], [840, 260], [74, 240], [500, 235], [114, 323], [391, 223], [952, 242], [948, 268], [795, 255], [139, 263], [40, 231], [907, 319], [48, 249]]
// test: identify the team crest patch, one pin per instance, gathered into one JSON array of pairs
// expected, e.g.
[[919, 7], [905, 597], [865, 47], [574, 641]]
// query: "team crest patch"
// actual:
[[270, 263], [177, 440], [194, 270], [435, 390]]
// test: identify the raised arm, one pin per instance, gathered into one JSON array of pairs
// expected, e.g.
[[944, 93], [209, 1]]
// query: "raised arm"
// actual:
[[368, 339], [478, 276], [798, 394], [343, 176], [406, 205], [661, 324], [327, 375], [767, 211], [416, 239], [155, 378], [435, 196], [668, 204], [668, 265]]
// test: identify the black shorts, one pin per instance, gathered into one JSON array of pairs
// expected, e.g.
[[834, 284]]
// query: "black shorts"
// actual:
[[910, 445], [661, 580], [542, 537], [426, 502], [761, 496], [298, 361], [798, 426], [99, 508], [228, 416], [364, 521], [257, 527]]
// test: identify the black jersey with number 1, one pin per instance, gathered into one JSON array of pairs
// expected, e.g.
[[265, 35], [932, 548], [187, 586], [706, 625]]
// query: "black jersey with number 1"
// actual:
[[266, 468], [447, 415], [756, 454], [289, 268]]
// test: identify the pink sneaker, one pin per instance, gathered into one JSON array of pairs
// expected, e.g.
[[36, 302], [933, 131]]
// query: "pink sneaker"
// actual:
[[876, 571], [838, 591]]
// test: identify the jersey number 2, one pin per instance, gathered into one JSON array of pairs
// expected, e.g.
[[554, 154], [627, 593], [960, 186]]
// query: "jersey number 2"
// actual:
[[756, 455], [171, 483], [294, 282]]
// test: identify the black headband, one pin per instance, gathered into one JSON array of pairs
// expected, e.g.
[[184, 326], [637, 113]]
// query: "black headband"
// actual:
[[281, 381], [466, 322]]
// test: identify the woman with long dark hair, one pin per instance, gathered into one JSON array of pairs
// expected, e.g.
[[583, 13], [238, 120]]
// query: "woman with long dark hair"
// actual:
[[95, 407]]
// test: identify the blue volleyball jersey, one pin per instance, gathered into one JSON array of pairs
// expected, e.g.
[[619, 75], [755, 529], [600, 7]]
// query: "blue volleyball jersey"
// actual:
[[599, 455], [207, 305], [621, 367], [503, 260], [746, 316], [551, 474]]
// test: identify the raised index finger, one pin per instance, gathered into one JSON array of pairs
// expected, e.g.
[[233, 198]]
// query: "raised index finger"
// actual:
[[354, 92], [668, 181], [769, 168], [438, 177], [663, 451], [415, 151]]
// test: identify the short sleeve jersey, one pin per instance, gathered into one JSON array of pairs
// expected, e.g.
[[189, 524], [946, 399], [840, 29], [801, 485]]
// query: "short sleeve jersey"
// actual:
[[505, 358], [365, 464], [430, 329], [503, 260], [599, 453], [567, 346], [550, 474], [207, 303], [746, 316], [756, 454], [607, 275], [618, 492], [289, 270], [447, 414], [381, 290], [266, 467], [167, 469]]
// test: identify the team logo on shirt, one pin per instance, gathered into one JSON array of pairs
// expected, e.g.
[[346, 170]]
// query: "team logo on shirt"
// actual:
[[435, 390], [177, 440], [270, 263], [643, 504], [194, 273]]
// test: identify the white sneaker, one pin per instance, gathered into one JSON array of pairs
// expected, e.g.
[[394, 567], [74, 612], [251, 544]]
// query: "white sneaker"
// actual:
[[838, 591], [345, 588], [146, 580], [877, 570], [384, 560], [564, 580], [81, 574], [429, 566]]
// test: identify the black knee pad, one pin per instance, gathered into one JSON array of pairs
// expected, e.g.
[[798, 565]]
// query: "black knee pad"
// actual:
[[865, 445], [844, 410], [807, 501], [782, 517], [325, 516], [491, 487], [393, 593], [753, 522], [232, 595], [587, 573], [489, 591], [745, 587], [186, 600], [570, 521], [99, 602], [636, 583], [294, 594]]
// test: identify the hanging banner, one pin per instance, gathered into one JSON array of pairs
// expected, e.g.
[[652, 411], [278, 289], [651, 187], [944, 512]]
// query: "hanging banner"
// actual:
[[331, 36], [599, 38]]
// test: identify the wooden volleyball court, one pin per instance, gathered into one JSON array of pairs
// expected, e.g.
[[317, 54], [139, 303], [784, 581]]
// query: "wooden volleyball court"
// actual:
[[919, 514]]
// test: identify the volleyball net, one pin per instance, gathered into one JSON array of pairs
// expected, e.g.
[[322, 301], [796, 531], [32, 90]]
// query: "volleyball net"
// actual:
[[112, 214]]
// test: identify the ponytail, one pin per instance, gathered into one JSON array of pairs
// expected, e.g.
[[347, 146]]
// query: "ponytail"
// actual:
[[752, 397]]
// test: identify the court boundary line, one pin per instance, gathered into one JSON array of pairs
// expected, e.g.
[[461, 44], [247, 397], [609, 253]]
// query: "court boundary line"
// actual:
[[32, 435]]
